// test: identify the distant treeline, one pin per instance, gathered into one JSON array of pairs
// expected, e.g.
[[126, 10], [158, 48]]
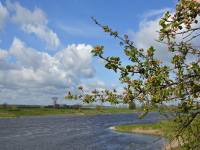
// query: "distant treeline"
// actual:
[[65, 106]]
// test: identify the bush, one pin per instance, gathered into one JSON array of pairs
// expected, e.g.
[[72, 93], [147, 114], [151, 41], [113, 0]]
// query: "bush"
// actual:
[[162, 106], [42, 107], [77, 106], [132, 105], [14, 107], [98, 107], [5, 105]]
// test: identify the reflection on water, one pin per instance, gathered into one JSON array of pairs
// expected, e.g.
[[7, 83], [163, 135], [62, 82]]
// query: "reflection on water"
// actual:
[[74, 132]]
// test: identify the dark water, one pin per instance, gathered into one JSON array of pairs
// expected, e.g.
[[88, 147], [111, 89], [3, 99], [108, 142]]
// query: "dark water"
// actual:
[[74, 132]]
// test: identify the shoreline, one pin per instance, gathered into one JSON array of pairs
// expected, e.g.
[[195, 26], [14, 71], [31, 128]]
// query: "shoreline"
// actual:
[[173, 144], [141, 131]]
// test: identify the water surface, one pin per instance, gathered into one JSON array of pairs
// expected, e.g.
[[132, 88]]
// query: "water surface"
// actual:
[[74, 132]]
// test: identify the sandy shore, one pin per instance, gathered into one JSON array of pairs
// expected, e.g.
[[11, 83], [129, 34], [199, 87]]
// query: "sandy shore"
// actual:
[[170, 146], [141, 131]]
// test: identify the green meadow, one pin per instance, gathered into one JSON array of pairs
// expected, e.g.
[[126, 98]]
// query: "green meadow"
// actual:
[[37, 111]]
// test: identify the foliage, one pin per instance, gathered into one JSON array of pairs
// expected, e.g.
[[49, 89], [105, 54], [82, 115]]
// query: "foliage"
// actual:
[[132, 105], [156, 82], [142, 106], [77, 106], [55, 105], [185, 128], [5, 105], [42, 107], [14, 107], [98, 107], [164, 128]]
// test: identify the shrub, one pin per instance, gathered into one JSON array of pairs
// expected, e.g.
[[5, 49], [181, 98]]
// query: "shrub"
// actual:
[[132, 105], [42, 107], [77, 106], [5, 105], [162, 106], [14, 107], [98, 107]]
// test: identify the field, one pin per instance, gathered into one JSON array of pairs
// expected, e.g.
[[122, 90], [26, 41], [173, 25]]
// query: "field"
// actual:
[[37, 111]]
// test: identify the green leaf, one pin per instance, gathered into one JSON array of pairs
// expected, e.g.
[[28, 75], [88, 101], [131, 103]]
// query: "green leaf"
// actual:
[[161, 22], [93, 51], [180, 27]]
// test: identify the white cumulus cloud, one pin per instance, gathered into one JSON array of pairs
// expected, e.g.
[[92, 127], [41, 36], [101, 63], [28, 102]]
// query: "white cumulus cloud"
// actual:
[[4, 14], [34, 22], [43, 33], [147, 36], [3, 54], [38, 74], [28, 57]]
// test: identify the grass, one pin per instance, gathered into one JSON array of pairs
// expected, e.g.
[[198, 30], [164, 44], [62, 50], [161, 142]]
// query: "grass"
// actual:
[[167, 125], [129, 128], [36, 111]]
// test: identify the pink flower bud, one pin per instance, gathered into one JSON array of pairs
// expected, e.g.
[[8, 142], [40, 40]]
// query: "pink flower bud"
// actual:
[[126, 36]]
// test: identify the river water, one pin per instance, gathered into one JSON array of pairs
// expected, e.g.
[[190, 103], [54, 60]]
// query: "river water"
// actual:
[[75, 132]]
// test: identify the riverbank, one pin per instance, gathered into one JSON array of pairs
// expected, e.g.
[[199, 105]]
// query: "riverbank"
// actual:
[[158, 132], [165, 129], [141, 131], [35, 111], [174, 144]]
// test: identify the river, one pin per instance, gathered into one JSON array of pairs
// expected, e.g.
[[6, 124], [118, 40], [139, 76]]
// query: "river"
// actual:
[[75, 132]]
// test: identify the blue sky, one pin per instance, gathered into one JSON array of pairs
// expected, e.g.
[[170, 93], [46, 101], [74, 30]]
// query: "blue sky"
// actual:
[[45, 45]]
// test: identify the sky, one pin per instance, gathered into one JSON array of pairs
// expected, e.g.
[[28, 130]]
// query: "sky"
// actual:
[[45, 45]]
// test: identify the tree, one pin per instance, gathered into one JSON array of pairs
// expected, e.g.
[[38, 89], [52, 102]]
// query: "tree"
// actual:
[[157, 82], [55, 101], [132, 105], [5, 106]]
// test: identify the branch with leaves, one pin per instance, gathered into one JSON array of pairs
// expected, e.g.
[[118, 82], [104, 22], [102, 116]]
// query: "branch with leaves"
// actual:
[[156, 83]]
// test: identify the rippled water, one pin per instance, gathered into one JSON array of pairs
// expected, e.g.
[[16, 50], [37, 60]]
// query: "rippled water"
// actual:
[[74, 132]]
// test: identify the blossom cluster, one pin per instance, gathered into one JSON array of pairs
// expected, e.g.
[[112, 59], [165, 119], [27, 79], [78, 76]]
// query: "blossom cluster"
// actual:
[[153, 84]]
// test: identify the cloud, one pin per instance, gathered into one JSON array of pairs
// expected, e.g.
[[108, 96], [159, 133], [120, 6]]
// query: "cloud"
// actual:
[[34, 22], [155, 12], [99, 85], [4, 14], [24, 15], [40, 75], [28, 57], [43, 33], [3, 54], [82, 29], [146, 37]]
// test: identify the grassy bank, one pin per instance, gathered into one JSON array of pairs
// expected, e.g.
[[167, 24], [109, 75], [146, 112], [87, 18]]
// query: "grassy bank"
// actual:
[[154, 129], [28, 111], [164, 127]]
